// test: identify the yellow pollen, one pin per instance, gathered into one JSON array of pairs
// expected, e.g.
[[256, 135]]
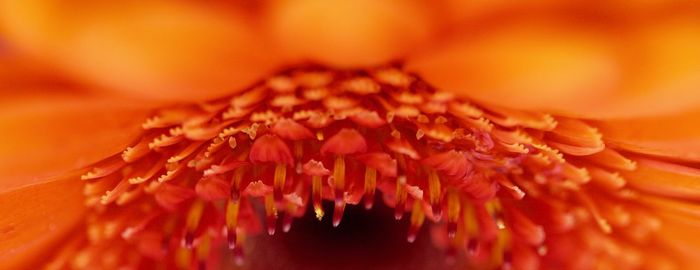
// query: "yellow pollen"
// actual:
[[317, 196], [494, 208]]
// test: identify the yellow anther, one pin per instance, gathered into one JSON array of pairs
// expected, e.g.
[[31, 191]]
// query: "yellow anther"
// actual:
[[280, 178], [194, 215], [470, 222], [434, 187], [203, 248], [316, 191], [453, 205], [339, 173], [232, 209], [370, 180]]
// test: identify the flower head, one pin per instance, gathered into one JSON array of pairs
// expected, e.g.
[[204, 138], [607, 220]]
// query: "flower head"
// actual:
[[519, 142]]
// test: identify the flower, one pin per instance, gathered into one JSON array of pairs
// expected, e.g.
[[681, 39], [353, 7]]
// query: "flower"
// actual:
[[529, 133]]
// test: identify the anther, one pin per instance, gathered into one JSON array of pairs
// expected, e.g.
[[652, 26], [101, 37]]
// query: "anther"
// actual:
[[203, 252], [316, 189], [279, 181], [271, 214], [453, 212], [339, 189], [236, 185], [434, 193], [401, 195], [232, 209], [417, 219], [192, 222], [370, 186]]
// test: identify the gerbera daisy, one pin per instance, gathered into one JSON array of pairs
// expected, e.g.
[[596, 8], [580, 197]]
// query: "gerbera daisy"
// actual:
[[163, 135]]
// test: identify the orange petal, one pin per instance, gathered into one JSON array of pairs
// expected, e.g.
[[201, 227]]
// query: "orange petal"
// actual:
[[348, 33], [682, 240], [35, 218], [676, 137], [583, 70], [523, 65], [44, 136], [460, 11], [19, 73], [160, 50], [665, 179]]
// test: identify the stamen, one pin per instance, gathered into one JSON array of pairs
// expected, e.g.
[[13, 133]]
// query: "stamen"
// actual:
[[192, 222], [417, 218], [338, 211], [183, 258], [232, 209], [494, 209], [203, 252], [298, 155], [236, 183], [279, 181], [453, 212], [317, 196], [401, 195], [339, 189], [287, 221], [471, 229], [271, 214], [434, 191], [316, 170], [370, 186]]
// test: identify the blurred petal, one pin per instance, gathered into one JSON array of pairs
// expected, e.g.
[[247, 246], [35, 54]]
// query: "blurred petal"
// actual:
[[23, 74], [665, 179], [160, 50], [46, 136], [36, 217], [460, 11], [525, 66], [347, 33], [680, 237], [675, 137], [592, 71]]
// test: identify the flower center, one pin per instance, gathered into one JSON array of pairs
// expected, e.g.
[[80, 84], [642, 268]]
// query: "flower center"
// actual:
[[492, 183]]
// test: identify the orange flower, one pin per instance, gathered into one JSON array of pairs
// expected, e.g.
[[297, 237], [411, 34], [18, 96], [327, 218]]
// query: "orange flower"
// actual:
[[531, 135]]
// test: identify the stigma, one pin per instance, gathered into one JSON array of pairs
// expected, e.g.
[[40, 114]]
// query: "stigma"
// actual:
[[493, 182]]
